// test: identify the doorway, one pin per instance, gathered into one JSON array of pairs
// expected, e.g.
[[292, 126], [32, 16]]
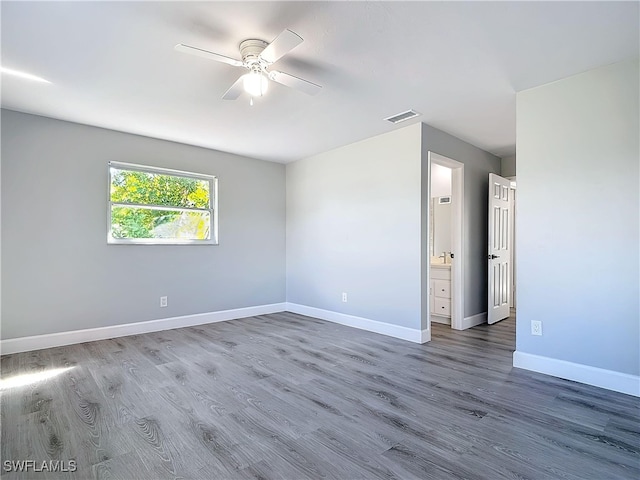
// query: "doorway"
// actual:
[[446, 252]]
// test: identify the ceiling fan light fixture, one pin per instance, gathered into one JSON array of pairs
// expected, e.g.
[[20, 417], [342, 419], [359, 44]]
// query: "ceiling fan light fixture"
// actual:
[[255, 84]]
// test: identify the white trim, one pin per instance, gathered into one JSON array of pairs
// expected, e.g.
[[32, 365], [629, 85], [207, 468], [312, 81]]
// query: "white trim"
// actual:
[[474, 320], [37, 342], [404, 333], [512, 258], [598, 377]]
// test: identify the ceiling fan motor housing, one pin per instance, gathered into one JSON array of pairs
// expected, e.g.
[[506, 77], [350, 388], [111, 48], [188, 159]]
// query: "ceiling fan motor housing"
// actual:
[[250, 50]]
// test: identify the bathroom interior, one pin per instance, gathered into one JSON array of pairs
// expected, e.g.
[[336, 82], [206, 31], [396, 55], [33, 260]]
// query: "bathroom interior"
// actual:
[[440, 244]]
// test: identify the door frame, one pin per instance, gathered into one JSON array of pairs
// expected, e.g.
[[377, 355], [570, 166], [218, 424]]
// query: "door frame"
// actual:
[[512, 270], [457, 238]]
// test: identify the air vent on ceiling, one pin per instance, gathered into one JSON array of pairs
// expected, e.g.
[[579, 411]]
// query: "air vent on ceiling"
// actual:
[[401, 117]]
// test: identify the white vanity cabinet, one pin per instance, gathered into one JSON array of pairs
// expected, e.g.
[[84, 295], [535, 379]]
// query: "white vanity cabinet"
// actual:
[[440, 293]]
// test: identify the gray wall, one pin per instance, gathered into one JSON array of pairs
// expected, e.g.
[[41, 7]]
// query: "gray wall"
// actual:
[[577, 227], [353, 225], [508, 166], [59, 274], [477, 166]]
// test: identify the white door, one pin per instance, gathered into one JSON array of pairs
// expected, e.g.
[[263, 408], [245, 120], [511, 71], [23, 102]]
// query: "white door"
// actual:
[[499, 255]]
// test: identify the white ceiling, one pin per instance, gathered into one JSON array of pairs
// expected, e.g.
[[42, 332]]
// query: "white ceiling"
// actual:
[[112, 64]]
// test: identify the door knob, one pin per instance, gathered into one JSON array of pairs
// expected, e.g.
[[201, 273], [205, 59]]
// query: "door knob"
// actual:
[[491, 257]]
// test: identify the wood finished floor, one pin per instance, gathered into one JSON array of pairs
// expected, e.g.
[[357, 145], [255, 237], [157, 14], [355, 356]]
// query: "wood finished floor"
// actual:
[[287, 396]]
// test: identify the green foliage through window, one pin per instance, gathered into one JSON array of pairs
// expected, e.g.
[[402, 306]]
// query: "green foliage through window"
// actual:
[[154, 206]]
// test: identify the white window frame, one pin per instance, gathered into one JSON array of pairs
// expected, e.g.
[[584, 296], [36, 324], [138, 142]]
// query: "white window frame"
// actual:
[[213, 206]]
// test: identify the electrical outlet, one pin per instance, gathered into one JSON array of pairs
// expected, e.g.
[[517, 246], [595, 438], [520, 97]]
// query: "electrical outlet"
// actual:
[[344, 297], [536, 327], [163, 301]]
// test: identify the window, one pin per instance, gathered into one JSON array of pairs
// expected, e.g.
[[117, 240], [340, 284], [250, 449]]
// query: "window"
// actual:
[[149, 205]]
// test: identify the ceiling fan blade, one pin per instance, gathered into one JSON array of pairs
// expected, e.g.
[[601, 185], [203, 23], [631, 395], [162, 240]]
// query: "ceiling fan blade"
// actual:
[[283, 43], [207, 54], [234, 90], [295, 82]]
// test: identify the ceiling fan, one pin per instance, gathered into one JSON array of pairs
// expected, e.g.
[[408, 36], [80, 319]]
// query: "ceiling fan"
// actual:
[[257, 57]]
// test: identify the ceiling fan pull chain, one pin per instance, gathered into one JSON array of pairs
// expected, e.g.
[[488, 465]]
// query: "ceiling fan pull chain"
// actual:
[[251, 102]]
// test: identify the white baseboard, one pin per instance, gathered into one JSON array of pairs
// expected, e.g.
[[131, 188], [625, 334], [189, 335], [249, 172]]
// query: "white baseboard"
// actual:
[[37, 342], [425, 336], [404, 333], [474, 320], [439, 319], [598, 377]]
